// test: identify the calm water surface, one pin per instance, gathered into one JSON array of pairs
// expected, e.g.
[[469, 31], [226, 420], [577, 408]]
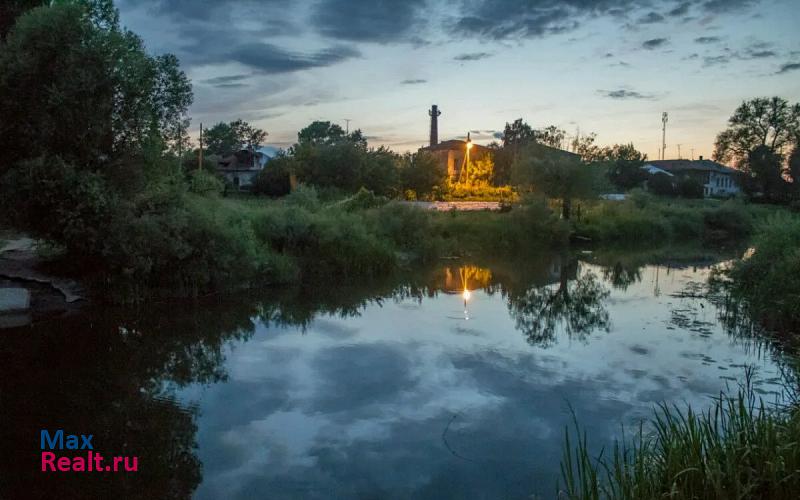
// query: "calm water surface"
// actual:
[[456, 382]]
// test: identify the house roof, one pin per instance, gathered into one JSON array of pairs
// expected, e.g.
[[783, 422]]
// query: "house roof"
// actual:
[[241, 160], [688, 165], [454, 145]]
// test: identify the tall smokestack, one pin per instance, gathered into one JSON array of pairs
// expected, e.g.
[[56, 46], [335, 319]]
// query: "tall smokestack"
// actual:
[[434, 114]]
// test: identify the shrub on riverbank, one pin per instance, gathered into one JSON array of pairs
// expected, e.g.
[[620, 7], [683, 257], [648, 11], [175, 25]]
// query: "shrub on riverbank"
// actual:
[[767, 281], [645, 218], [739, 448]]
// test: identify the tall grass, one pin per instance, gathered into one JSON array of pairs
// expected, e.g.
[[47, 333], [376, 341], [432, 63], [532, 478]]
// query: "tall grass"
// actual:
[[767, 283], [738, 449], [645, 218]]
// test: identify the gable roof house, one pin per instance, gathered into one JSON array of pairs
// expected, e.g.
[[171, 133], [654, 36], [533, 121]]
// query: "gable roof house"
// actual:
[[717, 179], [241, 168]]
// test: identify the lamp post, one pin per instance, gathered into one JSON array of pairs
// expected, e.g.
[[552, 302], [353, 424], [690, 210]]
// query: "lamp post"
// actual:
[[468, 146]]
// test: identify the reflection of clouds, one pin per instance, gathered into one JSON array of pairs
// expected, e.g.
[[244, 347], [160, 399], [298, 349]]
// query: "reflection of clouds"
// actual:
[[356, 407]]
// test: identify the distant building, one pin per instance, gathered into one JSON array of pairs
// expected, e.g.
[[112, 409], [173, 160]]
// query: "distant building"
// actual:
[[241, 168], [452, 154], [717, 179]]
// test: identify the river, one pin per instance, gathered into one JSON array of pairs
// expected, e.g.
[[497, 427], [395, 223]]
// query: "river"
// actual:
[[455, 381]]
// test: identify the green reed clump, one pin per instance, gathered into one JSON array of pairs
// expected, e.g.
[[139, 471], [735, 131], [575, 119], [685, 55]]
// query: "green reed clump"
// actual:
[[646, 218], [738, 449], [768, 281]]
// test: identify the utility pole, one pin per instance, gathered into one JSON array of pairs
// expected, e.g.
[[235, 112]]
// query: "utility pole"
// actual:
[[200, 155], [679, 152], [347, 121], [663, 134]]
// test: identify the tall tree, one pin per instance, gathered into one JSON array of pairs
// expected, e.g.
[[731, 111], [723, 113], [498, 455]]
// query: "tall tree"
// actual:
[[551, 136], [104, 99], [224, 139], [10, 10], [555, 173], [770, 122], [517, 133]]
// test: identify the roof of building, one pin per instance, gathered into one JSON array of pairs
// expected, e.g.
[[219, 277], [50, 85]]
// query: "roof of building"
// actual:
[[687, 165], [242, 160], [454, 144]]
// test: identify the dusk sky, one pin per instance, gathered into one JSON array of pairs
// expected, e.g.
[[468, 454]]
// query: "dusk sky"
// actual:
[[606, 66]]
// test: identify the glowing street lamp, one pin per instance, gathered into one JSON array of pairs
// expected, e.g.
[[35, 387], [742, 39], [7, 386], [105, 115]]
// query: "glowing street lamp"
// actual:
[[468, 146]]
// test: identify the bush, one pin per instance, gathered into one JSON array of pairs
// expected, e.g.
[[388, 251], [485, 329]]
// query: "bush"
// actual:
[[275, 178], [661, 184], [205, 183], [689, 187], [767, 281]]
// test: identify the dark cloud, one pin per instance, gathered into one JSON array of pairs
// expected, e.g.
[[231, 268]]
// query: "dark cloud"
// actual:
[[473, 56], [680, 10], [624, 94], [225, 80], [761, 54], [725, 6], [716, 60], [789, 67], [368, 20], [707, 39], [651, 18], [272, 59], [654, 43], [413, 82]]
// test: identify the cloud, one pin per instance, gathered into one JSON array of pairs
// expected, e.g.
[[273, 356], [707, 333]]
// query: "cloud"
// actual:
[[707, 39], [789, 67], [716, 60], [623, 94], [220, 81], [368, 20], [726, 6], [651, 18], [654, 43], [413, 82], [680, 10], [268, 58], [473, 56]]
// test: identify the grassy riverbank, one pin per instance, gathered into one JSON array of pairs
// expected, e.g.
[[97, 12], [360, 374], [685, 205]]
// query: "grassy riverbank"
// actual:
[[739, 448]]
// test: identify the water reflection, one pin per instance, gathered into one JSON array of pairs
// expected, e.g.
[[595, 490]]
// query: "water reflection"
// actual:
[[364, 392]]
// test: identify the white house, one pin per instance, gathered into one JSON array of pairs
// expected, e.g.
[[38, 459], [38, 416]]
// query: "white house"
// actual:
[[241, 168], [717, 179]]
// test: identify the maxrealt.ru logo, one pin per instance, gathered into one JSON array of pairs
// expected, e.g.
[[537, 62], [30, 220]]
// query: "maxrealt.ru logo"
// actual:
[[91, 462]]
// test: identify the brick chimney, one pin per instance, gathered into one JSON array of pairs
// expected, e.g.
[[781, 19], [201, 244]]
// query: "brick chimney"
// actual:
[[434, 114]]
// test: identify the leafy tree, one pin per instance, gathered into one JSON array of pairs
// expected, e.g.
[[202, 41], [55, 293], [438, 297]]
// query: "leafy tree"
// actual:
[[551, 136], [422, 173], [624, 152], [324, 132], [10, 10], [764, 168], [587, 149], [275, 178], [480, 172], [689, 187], [517, 133], [769, 122], [104, 97], [661, 184], [554, 173], [224, 139], [626, 170], [794, 170]]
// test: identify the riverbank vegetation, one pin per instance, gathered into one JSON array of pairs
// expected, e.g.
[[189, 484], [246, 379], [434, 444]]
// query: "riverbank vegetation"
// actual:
[[741, 447]]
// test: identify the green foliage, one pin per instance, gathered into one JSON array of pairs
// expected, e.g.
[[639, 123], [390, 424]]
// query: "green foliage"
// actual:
[[204, 182], [422, 173], [628, 174], [644, 218], [739, 448], [766, 281], [769, 122], [275, 178], [689, 187], [554, 173], [661, 184], [224, 139], [104, 97]]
